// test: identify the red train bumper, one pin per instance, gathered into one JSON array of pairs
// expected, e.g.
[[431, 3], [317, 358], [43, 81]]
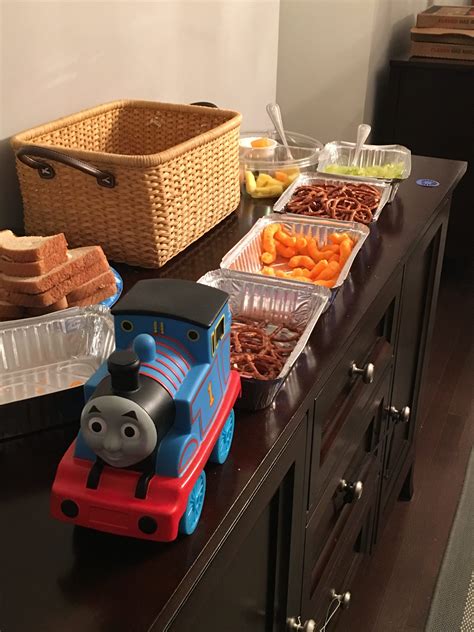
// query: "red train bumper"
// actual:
[[113, 507]]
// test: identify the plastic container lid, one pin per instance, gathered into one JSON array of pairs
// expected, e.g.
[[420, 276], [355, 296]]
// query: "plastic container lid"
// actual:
[[341, 153], [304, 150]]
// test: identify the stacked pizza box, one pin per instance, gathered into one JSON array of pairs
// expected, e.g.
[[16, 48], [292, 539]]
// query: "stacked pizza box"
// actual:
[[445, 32], [39, 275]]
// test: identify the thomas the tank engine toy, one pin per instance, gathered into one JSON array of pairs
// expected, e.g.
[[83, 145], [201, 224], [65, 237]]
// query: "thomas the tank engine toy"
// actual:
[[155, 413]]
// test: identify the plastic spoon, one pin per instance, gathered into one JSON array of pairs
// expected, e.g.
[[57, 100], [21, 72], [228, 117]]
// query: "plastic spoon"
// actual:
[[274, 112], [363, 132]]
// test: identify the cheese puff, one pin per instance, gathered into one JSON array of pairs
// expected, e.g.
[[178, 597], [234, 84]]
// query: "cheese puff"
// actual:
[[334, 258], [312, 249], [285, 251], [331, 270], [268, 257], [301, 261], [285, 239], [302, 245], [268, 271], [345, 251], [328, 283], [300, 272], [282, 275], [317, 254], [318, 268], [286, 231], [300, 278], [334, 248], [337, 238], [268, 238]]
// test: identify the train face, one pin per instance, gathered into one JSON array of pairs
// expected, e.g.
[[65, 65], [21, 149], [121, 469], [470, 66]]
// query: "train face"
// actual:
[[118, 431], [155, 413]]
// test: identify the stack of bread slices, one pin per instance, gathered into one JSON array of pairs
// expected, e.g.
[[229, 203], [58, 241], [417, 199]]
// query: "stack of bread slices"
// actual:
[[39, 275]]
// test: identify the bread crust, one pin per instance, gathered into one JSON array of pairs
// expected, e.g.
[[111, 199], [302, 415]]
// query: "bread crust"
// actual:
[[79, 260], [30, 248]]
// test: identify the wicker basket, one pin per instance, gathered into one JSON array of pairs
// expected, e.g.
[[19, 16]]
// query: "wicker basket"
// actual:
[[142, 179]]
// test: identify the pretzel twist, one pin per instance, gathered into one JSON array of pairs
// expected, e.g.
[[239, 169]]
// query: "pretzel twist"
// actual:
[[259, 349], [348, 202]]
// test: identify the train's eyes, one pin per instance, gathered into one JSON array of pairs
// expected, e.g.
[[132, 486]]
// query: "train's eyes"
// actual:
[[130, 431], [97, 425], [126, 325], [193, 335]]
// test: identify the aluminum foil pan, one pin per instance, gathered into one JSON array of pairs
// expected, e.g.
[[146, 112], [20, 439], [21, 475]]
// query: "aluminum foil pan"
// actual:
[[277, 301], [384, 189], [45, 356], [245, 255], [53, 352]]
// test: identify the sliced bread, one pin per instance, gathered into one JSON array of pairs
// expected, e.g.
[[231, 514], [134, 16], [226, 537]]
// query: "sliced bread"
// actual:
[[100, 282], [33, 268], [9, 311], [78, 259], [53, 294], [95, 298], [54, 307], [30, 248]]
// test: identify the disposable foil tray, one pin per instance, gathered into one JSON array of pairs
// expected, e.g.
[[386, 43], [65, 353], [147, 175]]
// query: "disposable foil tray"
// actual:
[[245, 255], [278, 302], [384, 189], [46, 360]]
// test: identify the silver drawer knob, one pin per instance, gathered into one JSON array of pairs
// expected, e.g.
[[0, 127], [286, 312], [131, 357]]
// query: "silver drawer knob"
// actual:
[[295, 625], [353, 491], [400, 416], [367, 372], [343, 598]]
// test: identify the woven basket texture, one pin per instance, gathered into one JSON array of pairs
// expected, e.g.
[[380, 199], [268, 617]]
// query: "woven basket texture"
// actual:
[[176, 170]]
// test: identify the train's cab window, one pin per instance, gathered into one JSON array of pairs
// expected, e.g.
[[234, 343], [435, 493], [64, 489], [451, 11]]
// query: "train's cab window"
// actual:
[[218, 334], [220, 330]]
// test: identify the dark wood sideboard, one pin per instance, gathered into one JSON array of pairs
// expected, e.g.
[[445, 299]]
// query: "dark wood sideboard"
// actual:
[[429, 107], [309, 484]]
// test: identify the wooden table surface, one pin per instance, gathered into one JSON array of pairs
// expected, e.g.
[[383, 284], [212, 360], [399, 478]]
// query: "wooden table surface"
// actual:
[[57, 577]]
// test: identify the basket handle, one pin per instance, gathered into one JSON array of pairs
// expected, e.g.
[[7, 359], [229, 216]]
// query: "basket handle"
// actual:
[[205, 104], [29, 154]]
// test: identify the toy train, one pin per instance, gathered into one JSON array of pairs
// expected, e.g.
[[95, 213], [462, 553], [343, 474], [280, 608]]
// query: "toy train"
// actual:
[[155, 413]]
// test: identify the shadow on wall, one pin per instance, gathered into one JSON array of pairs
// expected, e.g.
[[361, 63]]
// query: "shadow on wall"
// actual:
[[11, 208], [380, 55]]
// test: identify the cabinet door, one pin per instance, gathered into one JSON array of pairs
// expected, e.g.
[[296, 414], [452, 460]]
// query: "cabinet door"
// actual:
[[254, 581], [338, 407], [418, 304], [340, 532]]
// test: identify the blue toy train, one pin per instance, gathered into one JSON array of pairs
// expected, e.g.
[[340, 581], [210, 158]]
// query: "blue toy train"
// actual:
[[155, 413]]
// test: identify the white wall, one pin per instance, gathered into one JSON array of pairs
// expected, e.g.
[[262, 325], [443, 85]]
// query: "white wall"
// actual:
[[60, 57], [333, 59]]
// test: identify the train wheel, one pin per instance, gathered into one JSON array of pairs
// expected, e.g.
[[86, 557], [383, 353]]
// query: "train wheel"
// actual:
[[222, 448], [192, 513]]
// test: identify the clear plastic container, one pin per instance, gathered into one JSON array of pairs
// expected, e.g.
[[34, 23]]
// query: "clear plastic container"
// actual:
[[270, 300], [390, 163], [245, 255], [267, 172]]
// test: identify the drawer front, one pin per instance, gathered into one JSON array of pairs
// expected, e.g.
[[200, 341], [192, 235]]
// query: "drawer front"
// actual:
[[341, 581], [346, 425], [339, 572], [338, 407], [341, 529], [334, 519]]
